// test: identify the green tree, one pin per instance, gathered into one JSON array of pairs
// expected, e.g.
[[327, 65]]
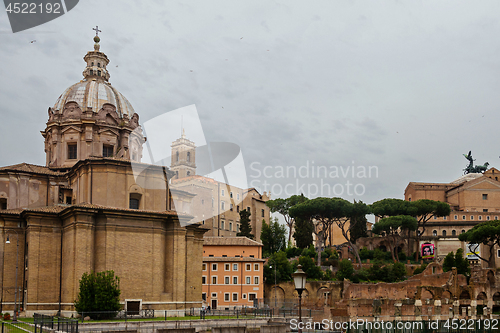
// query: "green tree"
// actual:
[[272, 237], [303, 234], [449, 262], [325, 212], [457, 260], [99, 292], [279, 264], [462, 263], [346, 270], [282, 206], [394, 207], [313, 271], [425, 210], [359, 228], [392, 228], [487, 233], [245, 227]]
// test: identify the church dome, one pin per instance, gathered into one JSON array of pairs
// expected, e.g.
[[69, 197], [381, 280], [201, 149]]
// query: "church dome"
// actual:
[[94, 90], [93, 94]]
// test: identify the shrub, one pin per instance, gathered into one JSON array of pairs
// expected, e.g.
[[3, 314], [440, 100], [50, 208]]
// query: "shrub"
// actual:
[[328, 275], [309, 252], [312, 270], [292, 252], [379, 255], [346, 270], [364, 253], [99, 292], [420, 269]]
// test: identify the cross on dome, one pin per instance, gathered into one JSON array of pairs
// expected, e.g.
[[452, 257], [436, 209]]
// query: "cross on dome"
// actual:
[[97, 31]]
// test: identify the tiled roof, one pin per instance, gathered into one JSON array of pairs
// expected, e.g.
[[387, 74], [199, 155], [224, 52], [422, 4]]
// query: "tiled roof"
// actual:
[[31, 168], [195, 177], [48, 209], [232, 259], [466, 178], [244, 241], [88, 205], [16, 211], [59, 208]]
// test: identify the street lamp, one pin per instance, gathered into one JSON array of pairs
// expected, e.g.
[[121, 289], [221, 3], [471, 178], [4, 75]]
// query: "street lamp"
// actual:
[[275, 302], [14, 320], [299, 278]]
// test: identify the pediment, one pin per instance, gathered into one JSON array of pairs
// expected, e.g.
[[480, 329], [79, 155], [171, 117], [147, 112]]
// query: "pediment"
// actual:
[[109, 131], [110, 120], [71, 129], [481, 183]]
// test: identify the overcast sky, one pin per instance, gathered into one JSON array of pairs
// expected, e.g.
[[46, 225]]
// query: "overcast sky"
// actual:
[[404, 87]]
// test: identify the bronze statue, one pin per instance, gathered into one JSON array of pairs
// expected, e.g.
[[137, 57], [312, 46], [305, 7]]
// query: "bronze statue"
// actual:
[[474, 169]]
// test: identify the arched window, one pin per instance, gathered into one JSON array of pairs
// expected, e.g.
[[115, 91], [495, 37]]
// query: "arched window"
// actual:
[[177, 156], [434, 233], [3, 204], [134, 201], [98, 64], [189, 157], [444, 233], [463, 231], [189, 173], [453, 233]]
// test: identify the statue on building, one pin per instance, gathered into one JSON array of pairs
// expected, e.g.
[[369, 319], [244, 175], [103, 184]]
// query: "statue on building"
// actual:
[[474, 169]]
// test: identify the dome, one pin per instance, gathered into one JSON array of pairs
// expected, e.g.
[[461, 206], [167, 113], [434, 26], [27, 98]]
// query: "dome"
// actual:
[[93, 94], [94, 90]]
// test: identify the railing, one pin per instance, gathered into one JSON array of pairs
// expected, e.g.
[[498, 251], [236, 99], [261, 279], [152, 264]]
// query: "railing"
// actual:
[[41, 321], [233, 313], [19, 327], [101, 315]]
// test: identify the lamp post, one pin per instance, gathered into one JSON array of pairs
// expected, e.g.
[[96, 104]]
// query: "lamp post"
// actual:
[[299, 278], [275, 302], [14, 320]]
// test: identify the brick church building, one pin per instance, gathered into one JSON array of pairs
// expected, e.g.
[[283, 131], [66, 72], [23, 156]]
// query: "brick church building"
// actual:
[[88, 209]]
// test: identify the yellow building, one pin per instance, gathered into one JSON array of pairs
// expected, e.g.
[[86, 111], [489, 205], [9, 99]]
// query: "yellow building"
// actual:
[[232, 272]]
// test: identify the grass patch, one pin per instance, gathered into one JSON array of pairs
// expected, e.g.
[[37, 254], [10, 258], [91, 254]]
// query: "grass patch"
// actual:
[[167, 319], [9, 327]]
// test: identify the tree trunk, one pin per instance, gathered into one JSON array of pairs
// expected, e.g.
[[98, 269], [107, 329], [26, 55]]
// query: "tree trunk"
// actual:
[[417, 238], [319, 243], [355, 252], [408, 253], [392, 247], [491, 261]]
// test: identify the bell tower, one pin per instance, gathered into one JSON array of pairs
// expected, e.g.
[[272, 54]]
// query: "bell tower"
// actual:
[[183, 161]]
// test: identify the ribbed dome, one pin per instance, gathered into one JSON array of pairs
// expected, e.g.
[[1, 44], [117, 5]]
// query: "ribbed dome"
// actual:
[[94, 90], [93, 94]]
